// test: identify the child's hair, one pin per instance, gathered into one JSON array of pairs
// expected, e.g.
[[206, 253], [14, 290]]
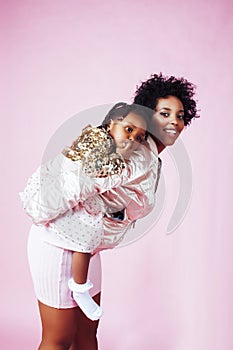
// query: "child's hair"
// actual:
[[160, 86], [122, 109]]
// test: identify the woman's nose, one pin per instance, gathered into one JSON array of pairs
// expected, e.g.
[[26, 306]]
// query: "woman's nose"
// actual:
[[173, 120]]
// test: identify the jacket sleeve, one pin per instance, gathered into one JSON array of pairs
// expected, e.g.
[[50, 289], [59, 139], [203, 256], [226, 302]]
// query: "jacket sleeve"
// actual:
[[62, 183], [95, 149]]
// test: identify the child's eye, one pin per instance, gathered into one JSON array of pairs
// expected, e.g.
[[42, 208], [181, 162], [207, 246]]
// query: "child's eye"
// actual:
[[180, 116], [129, 129], [139, 138]]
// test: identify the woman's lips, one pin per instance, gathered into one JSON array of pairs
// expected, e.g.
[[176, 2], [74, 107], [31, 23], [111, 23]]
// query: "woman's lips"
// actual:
[[171, 131]]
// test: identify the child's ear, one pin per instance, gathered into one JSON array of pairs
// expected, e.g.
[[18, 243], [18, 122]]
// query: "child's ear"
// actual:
[[110, 124], [113, 121]]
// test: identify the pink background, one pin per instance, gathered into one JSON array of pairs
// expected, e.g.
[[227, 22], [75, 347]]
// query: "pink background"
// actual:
[[166, 292]]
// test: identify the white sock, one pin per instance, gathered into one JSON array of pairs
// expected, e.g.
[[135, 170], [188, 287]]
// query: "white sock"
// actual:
[[82, 297]]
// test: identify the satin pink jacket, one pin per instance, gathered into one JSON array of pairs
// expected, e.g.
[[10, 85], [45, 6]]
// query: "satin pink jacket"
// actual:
[[47, 197]]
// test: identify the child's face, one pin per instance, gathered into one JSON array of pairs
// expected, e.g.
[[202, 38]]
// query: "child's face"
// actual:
[[128, 133]]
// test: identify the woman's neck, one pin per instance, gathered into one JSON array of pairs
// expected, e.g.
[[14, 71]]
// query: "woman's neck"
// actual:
[[159, 145]]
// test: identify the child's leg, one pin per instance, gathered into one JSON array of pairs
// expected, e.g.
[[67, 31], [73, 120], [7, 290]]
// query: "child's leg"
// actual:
[[79, 285], [80, 264]]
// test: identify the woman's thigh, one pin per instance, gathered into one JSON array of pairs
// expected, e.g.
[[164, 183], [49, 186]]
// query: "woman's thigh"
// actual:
[[62, 320], [64, 329], [51, 268], [58, 327]]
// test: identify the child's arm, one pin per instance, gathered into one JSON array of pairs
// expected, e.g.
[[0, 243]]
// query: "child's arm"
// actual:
[[62, 183], [95, 150]]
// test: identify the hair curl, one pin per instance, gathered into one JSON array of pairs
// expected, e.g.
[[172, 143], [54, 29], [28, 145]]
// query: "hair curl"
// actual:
[[160, 86]]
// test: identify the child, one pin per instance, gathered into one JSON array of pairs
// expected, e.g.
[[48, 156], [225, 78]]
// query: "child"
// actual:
[[101, 153]]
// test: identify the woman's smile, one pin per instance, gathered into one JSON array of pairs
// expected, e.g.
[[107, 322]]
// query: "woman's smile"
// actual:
[[168, 121]]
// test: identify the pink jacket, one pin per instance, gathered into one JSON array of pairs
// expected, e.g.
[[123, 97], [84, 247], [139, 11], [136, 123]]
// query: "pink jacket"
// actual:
[[60, 185]]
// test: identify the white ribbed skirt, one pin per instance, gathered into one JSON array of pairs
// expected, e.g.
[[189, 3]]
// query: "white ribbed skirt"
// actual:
[[51, 268]]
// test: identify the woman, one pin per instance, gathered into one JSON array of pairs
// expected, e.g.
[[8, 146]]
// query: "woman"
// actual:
[[172, 100]]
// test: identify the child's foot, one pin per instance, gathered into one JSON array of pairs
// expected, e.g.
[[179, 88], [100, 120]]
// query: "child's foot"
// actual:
[[82, 297]]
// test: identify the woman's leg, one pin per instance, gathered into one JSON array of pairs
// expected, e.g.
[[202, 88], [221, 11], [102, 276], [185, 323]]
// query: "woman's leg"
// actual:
[[63, 327], [85, 336], [58, 327]]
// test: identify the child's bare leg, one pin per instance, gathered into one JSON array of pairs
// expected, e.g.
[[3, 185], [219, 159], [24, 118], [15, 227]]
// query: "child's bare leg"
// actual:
[[80, 264], [79, 285]]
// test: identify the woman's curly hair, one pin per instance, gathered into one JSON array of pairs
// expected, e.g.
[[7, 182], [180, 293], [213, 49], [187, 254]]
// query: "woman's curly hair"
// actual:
[[160, 86]]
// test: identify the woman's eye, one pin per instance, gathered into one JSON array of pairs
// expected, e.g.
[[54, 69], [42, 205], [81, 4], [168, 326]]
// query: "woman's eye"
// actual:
[[164, 114], [180, 116], [129, 129]]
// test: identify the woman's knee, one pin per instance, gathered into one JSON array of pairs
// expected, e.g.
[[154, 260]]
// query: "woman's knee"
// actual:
[[85, 328], [55, 341], [53, 344], [85, 336]]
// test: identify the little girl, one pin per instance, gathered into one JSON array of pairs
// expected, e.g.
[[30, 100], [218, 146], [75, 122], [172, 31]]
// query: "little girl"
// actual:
[[97, 161]]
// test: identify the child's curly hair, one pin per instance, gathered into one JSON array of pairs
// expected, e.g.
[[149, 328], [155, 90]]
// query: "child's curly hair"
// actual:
[[122, 109], [160, 86]]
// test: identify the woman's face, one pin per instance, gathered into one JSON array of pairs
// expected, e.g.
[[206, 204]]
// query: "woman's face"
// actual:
[[167, 121], [128, 133]]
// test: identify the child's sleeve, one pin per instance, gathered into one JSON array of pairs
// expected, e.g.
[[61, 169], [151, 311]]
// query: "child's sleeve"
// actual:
[[59, 185], [81, 171], [63, 182], [95, 149]]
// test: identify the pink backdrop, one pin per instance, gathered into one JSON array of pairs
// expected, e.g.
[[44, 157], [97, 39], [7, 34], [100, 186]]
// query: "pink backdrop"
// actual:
[[166, 292]]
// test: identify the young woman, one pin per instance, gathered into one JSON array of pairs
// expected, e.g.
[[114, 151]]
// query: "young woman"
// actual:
[[67, 327]]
